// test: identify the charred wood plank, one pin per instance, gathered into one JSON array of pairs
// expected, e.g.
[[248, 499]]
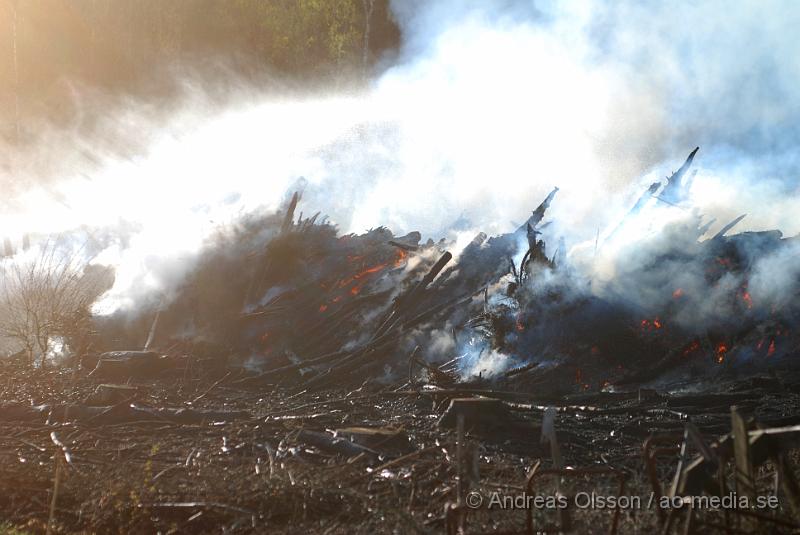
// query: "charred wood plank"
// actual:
[[405, 303], [538, 214], [404, 246], [288, 219], [724, 230], [672, 191]]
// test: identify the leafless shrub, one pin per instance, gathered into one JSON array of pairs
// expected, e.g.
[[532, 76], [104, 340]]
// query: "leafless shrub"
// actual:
[[45, 296]]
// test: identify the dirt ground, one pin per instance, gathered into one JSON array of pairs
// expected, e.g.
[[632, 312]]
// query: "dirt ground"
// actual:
[[268, 472]]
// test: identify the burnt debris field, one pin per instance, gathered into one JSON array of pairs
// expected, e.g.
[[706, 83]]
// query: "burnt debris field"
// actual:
[[300, 380]]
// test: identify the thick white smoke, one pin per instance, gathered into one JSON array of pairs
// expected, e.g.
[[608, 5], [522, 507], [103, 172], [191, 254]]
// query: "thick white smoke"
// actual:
[[489, 106]]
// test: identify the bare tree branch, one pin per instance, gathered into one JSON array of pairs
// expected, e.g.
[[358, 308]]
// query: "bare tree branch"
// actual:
[[46, 293]]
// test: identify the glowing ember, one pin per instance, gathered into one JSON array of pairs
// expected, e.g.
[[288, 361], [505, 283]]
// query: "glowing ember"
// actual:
[[722, 350], [771, 349], [651, 325], [747, 299], [323, 307], [677, 294], [694, 346]]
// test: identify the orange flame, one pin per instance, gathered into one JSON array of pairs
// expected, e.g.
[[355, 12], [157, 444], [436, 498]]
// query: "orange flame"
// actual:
[[400, 257], [357, 277], [771, 350], [369, 271], [362, 274]]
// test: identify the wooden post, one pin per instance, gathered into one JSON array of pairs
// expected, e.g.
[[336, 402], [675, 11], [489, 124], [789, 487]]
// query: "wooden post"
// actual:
[[460, 487], [683, 457], [744, 472], [723, 490], [51, 517], [741, 451], [688, 527], [460, 457], [788, 483], [549, 436]]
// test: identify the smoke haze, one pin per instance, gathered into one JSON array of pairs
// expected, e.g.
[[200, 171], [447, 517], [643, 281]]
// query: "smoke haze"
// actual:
[[484, 111]]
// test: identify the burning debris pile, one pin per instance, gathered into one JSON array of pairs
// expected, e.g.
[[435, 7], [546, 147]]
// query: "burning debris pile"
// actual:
[[303, 381], [289, 300]]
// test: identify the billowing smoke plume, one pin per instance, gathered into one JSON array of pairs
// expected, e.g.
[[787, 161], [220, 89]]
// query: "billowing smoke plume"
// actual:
[[487, 108]]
